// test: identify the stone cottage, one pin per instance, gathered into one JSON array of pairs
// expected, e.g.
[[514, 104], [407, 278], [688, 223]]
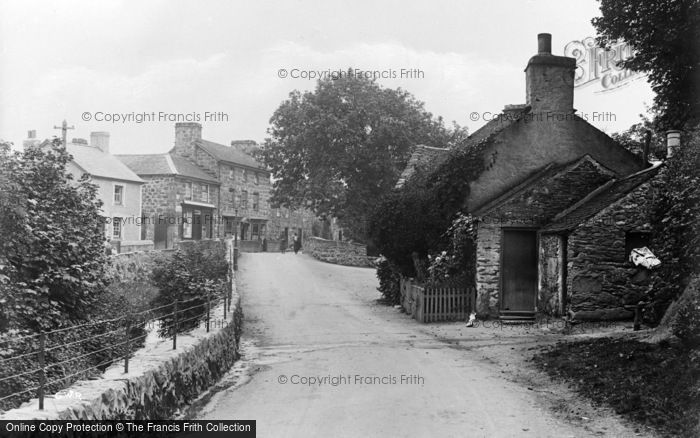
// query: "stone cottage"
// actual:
[[179, 199], [548, 177]]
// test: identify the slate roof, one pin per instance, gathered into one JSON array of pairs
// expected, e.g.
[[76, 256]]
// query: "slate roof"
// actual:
[[430, 157], [230, 154], [599, 199], [165, 164], [534, 179], [100, 164], [423, 156]]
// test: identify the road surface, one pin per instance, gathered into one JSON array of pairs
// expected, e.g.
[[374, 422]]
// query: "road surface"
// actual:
[[323, 359]]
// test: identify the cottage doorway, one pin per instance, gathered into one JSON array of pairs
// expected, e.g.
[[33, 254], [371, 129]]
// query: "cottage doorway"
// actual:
[[519, 271]]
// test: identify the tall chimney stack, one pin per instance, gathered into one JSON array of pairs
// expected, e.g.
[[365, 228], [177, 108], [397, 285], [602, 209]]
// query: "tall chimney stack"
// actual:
[[100, 140], [186, 134], [31, 139], [549, 79], [673, 142]]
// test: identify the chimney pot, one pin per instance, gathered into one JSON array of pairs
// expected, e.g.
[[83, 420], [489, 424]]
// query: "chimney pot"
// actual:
[[544, 44], [673, 142], [31, 134]]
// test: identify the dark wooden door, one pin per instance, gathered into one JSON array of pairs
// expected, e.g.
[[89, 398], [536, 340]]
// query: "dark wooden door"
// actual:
[[160, 237], [519, 275], [197, 225]]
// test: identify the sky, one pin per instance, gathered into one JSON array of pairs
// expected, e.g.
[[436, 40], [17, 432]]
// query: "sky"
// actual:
[[106, 65]]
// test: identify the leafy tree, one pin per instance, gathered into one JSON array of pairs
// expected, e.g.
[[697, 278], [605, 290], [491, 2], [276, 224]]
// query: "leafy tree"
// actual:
[[51, 238], [634, 138], [666, 37], [676, 223], [337, 149]]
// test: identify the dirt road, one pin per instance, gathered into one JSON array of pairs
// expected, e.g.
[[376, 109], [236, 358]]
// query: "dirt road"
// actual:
[[323, 359]]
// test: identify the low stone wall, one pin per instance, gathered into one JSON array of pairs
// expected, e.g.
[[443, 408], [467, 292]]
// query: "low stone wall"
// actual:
[[134, 266], [160, 379], [338, 252], [135, 245]]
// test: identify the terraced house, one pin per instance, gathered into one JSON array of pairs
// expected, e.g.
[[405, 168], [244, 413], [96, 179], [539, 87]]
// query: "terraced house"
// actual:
[[202, 189]]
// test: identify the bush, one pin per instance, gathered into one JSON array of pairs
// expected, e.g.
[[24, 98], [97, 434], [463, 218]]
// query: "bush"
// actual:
[[389, 281], [686, 322], [676, 223], [457, 263], [51, 239], [196, 271]]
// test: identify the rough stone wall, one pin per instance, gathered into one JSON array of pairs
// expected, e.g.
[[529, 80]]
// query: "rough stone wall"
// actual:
[[600, 279], [488, 265], [550, 267], [205, 161], [341, 253], [532, 208], [185, 136], [281, 218], [158, 204], [244, 179]]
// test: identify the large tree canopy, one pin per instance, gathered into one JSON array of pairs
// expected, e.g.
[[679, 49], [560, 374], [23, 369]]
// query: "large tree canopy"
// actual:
[[338, 149], [665, 35]]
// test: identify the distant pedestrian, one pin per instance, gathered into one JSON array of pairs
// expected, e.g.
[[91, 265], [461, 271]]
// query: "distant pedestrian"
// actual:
[[283, 244], [296, 243]]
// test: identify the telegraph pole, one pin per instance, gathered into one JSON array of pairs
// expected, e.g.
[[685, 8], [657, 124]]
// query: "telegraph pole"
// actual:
[[64, 130]]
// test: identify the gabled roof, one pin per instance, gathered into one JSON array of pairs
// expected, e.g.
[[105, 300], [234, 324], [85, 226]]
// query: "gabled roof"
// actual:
[[229, 154], [599, 199], [534, 179], [429, 158], [422, 157], [100, 164], [165, 164]]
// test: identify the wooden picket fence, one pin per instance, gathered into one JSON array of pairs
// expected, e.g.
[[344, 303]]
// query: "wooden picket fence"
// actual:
[[437, 303]]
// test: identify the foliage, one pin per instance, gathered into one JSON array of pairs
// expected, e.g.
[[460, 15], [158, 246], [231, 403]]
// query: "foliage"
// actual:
[[665, 35], [676, 226], [656, 385], [633, 139], [458, 262], [339, 148], [85, 351], [51, 239], [389, 281], [686, 321], [415, 217], [191, 275]]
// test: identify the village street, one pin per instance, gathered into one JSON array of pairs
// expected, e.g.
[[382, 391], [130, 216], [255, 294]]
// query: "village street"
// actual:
[[306, 320]]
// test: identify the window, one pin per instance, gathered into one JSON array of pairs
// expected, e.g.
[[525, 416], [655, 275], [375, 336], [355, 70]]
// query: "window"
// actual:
[[188, 191], [187, 224], [118, 194], [244, 199], [232, 173], [257, 178], [245, 176], [255, 234], [232, 197], [205, 193], [635, 239], [116, 228], [256, 201]]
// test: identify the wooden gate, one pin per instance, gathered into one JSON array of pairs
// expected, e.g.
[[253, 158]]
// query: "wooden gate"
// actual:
[[445, 303]]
